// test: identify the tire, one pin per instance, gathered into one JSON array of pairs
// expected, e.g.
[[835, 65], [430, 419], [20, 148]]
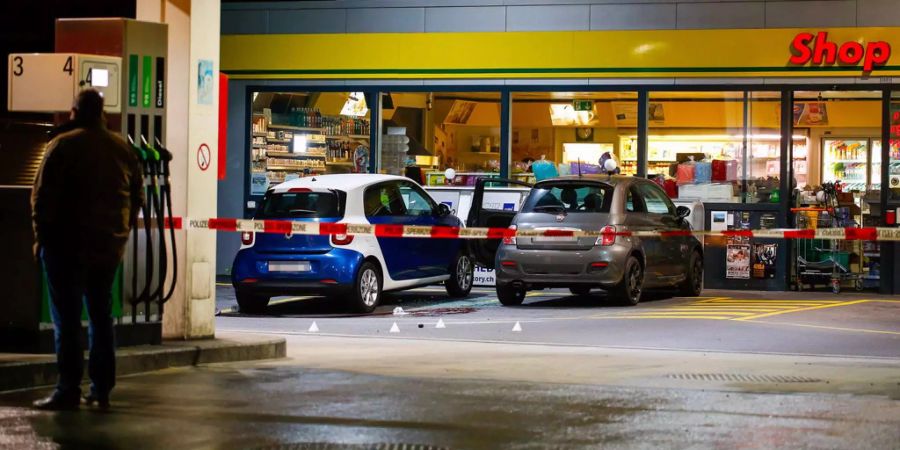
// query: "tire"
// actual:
[[580, 290], [628, 291], [251, 304], [366, 293], [510, 296], [692, 285], [462, 275]]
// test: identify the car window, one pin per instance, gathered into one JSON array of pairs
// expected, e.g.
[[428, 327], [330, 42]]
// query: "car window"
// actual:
[[311, 204], [569, 196], [633, 201], [416, 201], [655, 200], [383, 200]]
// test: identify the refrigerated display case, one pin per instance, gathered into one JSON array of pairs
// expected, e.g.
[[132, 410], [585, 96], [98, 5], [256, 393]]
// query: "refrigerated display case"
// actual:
[[848, 160]]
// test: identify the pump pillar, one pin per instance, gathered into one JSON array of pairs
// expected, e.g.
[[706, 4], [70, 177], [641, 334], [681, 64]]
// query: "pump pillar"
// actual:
[[192, 106]]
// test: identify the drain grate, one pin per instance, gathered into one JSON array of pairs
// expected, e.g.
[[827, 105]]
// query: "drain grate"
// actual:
[[744, 378], [334, 446]]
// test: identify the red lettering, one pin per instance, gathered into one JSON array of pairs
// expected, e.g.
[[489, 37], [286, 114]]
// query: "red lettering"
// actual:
[[851, 53], [800, 47], [824, 51], [877, 54], [806, 47]]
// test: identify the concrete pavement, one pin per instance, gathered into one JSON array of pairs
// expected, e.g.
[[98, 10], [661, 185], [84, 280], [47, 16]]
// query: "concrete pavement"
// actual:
[[732, 369]]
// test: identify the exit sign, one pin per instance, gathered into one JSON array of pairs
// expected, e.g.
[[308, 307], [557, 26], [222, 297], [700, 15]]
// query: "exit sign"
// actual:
[[583, 105]]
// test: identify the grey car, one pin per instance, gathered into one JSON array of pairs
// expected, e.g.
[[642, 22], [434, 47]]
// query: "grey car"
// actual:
[[622, 265]]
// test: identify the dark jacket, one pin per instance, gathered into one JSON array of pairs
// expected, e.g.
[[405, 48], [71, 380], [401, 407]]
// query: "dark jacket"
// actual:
[[87, 195]]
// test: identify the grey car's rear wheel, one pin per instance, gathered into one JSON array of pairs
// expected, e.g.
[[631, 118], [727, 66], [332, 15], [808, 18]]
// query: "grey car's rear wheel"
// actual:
[[509, 295], [462, 275], [580, 290], [692, 286], [628, 291], [250, 303]]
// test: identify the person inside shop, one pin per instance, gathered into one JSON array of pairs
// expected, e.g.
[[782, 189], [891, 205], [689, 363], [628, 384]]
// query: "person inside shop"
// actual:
[[85, 201]]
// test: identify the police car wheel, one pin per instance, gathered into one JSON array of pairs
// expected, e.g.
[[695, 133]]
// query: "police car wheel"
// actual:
[[366, 293], [462, 276]]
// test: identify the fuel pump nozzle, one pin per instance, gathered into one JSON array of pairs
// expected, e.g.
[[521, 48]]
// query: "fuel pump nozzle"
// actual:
[[165, 157], [146, 213]]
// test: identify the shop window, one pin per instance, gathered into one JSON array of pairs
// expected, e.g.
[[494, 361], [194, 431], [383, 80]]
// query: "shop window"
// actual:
[[298, 134], [571, 132], [716, 146], [426, 133], [893, 182], [845, 163]]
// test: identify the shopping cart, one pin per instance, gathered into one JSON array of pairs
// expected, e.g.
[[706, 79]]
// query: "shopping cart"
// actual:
[[820, 261]]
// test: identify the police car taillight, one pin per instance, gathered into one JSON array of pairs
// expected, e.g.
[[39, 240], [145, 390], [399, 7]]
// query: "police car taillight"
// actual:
[[341, 239], [510, 240], [247, 237]]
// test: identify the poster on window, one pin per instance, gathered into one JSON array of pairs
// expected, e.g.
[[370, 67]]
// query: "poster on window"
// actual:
[[764, 260], [737, 262], [810, 113]]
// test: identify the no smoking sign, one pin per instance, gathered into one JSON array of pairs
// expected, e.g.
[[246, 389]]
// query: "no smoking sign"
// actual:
[[203, 157]]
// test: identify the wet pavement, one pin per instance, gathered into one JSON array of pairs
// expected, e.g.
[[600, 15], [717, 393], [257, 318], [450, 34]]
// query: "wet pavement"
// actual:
[[728, 370], [279, 405]]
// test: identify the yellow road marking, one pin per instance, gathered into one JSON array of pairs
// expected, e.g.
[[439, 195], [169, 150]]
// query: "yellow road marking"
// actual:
[[763, 303], [861, 330], [698, 316], [832, 305]]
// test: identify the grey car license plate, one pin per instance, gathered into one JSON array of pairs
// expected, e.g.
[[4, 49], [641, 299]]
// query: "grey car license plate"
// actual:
[[540, 239], [289, 266]]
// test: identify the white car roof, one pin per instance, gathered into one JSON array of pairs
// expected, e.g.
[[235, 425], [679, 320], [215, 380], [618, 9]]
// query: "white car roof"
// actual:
[[343, 182]]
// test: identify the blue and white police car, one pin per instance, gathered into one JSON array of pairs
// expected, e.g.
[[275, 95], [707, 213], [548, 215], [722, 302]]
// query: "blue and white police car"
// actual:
[[358, 269]]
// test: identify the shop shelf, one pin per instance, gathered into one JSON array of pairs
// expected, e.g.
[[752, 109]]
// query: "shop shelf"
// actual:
[[338, 163], [872, 255], [358, 136], [289, 127], [289, 169], [295, 155], [258, 134]]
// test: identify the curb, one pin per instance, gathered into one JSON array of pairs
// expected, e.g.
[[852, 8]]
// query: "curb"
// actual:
[[31, 371]]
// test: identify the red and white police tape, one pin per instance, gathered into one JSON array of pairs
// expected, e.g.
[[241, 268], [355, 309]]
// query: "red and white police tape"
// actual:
[[289, 227]]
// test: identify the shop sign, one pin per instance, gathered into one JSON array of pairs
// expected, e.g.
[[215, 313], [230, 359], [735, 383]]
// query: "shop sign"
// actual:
[[817, 48], [583, 105]]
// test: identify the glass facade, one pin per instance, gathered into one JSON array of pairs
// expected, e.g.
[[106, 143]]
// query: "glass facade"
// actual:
[[720, 146]]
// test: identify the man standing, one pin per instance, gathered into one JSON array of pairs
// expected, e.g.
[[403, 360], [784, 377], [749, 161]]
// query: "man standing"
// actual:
[[85, 201]]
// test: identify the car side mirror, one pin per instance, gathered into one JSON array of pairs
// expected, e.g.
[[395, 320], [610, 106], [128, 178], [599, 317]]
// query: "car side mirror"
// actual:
[[443, 210], [682, 212]]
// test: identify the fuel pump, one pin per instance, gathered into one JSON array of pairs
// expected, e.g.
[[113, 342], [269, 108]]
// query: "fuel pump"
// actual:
[[157, 214]]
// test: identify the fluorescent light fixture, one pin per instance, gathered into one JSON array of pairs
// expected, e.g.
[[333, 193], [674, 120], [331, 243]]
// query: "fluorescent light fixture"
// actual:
[[355, 105], [564, 114], [299, 144], [99, 77]]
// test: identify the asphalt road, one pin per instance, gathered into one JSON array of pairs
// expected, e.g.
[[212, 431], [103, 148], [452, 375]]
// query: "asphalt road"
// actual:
[[852, 325]]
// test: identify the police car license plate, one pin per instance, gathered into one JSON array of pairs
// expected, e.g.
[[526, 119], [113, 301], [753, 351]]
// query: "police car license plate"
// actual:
[[289, 266]]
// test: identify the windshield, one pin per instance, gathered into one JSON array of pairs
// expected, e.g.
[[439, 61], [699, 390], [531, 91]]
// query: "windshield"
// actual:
[[302, 204], [569, 197]]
